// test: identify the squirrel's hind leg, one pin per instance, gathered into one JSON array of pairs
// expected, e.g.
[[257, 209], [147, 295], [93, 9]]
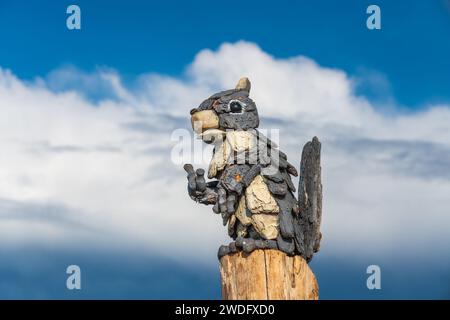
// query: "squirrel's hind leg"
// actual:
[[248, 245]]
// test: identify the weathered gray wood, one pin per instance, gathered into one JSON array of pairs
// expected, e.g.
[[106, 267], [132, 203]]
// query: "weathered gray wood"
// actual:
[[310, 198]]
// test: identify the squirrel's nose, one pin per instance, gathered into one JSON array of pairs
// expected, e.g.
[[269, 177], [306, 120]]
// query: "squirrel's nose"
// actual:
[[204, 120]]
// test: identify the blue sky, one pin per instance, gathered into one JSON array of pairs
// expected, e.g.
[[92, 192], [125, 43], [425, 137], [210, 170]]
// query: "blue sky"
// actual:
[[410, 52], [87, 175]]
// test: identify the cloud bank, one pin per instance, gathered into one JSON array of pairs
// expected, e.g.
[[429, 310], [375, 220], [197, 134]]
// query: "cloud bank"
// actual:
[[86, 160]]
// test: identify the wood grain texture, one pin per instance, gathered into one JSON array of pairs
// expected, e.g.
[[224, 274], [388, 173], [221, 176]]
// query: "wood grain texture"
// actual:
[[308, 235], [267, 275]]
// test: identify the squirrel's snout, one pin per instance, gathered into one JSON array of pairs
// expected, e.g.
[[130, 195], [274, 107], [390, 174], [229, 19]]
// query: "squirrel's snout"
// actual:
[[204, 120]]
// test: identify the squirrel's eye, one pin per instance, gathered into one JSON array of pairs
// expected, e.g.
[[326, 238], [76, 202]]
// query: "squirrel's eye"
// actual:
[[236, 106]]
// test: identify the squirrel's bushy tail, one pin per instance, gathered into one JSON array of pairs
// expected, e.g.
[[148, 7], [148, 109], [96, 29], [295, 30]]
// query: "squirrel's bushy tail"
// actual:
[[310, 198]]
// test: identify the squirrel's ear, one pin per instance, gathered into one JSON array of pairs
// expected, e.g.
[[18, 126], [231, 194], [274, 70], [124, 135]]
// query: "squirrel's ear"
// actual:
[[243, 84]]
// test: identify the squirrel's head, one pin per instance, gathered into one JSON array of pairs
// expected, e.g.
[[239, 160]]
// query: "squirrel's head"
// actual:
[[226, 110]]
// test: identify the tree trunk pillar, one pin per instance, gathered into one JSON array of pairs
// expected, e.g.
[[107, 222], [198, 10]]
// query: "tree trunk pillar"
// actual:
[[267, 275]]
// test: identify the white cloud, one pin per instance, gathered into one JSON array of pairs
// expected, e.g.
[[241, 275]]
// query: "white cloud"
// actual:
[[102, 166]]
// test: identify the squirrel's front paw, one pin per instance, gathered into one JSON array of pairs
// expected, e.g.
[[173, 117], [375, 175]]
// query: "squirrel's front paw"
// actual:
[[196, 180], [197, 187]]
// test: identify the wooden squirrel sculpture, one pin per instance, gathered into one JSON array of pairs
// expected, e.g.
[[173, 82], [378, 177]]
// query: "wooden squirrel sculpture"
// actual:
[[253, 190]]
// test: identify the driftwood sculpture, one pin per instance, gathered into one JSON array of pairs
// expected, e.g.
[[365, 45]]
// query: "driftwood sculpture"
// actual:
[[253, 191]]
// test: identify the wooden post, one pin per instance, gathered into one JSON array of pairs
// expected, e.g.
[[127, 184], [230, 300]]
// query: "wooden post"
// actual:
[[267, 275]]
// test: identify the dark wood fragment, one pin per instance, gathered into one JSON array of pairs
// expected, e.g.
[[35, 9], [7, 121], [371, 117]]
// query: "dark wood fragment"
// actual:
[[275, 188], [310, 197], [251, 174], [288, 180]]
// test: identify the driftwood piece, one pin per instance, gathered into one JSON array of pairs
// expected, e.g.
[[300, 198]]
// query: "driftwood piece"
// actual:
[[267, 275], [310, 198], [242, 213], [266, 225], [259, 199]]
